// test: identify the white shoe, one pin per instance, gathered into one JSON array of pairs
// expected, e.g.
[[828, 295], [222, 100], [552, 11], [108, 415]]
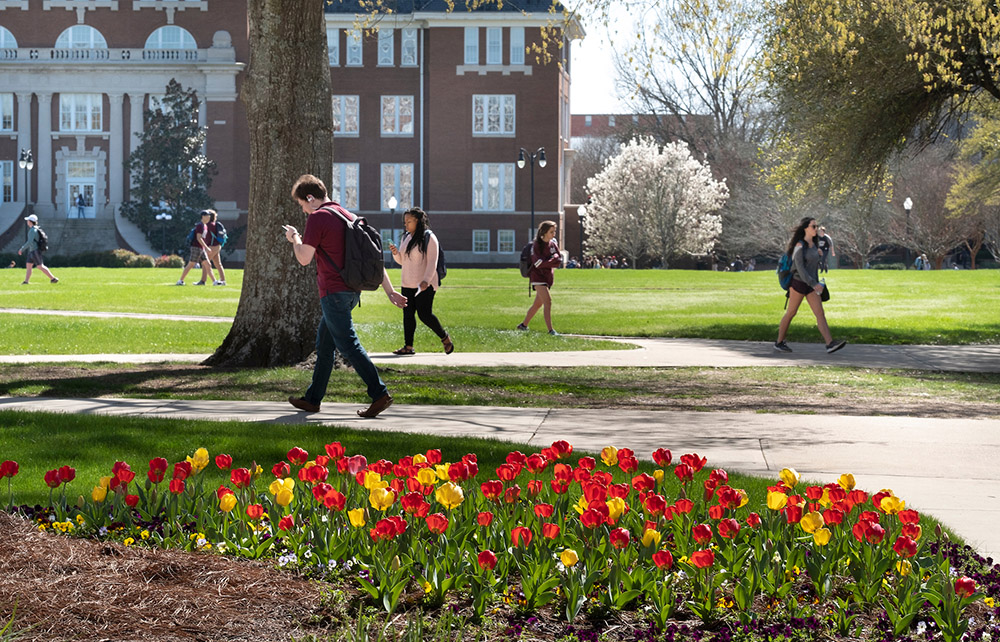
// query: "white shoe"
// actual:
[[219, 283], [181, 282]]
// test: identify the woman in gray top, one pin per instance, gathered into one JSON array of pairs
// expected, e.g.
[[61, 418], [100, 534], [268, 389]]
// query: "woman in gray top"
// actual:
[[805, 285], [34, 258]]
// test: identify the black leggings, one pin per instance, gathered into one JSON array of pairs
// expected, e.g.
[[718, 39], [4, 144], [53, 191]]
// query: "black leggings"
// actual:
[[419, 305]]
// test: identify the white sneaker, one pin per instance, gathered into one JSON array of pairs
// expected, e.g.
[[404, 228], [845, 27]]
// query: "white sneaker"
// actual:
[[219, 283], [180, 282]]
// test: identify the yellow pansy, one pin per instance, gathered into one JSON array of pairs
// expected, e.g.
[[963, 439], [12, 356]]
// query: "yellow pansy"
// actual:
[[128, 541], [99, 493], [616, 506], [284, 497], [651, 538], [449, 495], [846, 481], [581, 505], [199, 461], [811, 521], [990, 602], [381, 498], [419, 459], [776, 500], [892, 505], [569, 557], [144, 534], [822, 536], [426, 477], [789, 477], [610, 456], [441, 470], [227, 503], [904, 568], [357, 517]]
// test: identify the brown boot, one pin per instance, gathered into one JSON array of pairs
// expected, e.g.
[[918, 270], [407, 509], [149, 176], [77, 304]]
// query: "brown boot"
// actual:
[[303, 405], [377, 406]]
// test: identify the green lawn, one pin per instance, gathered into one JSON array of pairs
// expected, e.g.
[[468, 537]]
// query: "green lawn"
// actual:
[[481, 307]]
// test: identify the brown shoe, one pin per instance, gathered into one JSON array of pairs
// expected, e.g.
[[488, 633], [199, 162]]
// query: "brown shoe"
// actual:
[[377, 406], [304, 405]]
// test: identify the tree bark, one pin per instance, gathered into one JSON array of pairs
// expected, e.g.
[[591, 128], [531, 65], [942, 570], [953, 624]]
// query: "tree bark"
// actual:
[[288, 102]]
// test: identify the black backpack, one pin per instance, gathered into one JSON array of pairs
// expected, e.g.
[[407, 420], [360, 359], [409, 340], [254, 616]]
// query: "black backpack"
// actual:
[[43, 240], [363, 263], [525, 263], [442, 268]]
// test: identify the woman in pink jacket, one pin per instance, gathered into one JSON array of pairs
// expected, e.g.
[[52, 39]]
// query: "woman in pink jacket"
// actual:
[[545, 257], [419, 260]]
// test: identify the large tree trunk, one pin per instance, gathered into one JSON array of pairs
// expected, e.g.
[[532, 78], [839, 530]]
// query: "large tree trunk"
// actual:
[[287, 97]]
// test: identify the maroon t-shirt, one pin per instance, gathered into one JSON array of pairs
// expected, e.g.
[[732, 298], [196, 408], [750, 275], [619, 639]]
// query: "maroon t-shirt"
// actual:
[[325, 230]]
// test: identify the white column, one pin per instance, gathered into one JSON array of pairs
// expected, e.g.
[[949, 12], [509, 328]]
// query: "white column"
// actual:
[[135, 122], [44, 158], [115, 152], [23, 138]]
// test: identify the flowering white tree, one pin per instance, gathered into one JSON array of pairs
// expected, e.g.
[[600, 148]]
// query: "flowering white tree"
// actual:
[[654, 202]]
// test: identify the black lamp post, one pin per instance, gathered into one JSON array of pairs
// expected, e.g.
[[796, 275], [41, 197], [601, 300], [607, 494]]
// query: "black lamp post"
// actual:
[[392, 203], [163, 217], [27, 162], [523, 157], [581, 212], [907, 206]]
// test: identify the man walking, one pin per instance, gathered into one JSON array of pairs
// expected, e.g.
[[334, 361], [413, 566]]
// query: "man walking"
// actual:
[[325, 232], [825, 246]]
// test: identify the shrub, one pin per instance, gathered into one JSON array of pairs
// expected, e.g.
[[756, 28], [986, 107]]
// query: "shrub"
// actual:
[[888, 266], [169, 261], [140, 261]]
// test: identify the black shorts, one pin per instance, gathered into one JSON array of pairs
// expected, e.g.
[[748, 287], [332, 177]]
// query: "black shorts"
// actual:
[[801, 287]]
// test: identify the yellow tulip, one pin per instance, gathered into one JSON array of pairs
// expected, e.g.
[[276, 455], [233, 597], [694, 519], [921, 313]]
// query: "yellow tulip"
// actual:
[[789, 477], [426, 477], [442, 471], [904, 567], [106, 481], [227, 503], [892, 505], [373, 480], [776, 501], [822, 536], [275, 487], [569, 557], [581, 505], [658, 475], [284, 497], [824, 501], [651, 538], [616, 506], [381, 498], [846, 481], [281, 484], [610, 456], [811, 522], [419, 459], [449, 495], [357, 517], [99, 494], [199, 461], [744, 498]]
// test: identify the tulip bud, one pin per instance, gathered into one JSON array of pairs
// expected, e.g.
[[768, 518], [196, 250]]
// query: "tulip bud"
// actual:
[[395, 563], [937, 531], [79, 501]]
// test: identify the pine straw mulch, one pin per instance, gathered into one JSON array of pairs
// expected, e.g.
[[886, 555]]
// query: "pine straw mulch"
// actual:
[[66, 588]]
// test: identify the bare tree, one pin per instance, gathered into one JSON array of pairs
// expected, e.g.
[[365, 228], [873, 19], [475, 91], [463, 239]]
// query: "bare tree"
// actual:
[[859, 227]]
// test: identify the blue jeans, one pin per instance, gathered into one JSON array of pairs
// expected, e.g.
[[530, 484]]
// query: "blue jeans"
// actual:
[[336, 330]]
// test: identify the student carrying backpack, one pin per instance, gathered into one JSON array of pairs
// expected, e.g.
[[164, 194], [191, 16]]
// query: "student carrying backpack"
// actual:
[[785, 274], [220, 234], [43, 240], [364, 264]]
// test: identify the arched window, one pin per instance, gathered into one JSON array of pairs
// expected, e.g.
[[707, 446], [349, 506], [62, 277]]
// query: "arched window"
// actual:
[[171, 37], [7, 40], [81, 37]]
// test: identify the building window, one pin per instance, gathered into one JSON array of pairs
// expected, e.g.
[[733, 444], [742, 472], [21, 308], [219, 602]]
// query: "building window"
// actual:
[[494, 46], [393, 235], [354, 48], [80, 112], [345, 115], [505, 241], [517, 45], [344, 188], [81, 169], [171, 37], [408, 47], [588, 121], [397, 115], [81, 37], [7, 39], [397, 180], [333, 46], [7, 170], [6, 112], [492, 187], [493, 115], [472, 45], [481, 241], [385, 47], [611, 121]]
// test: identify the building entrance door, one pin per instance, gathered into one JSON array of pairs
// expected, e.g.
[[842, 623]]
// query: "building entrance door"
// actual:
[[74, 208]]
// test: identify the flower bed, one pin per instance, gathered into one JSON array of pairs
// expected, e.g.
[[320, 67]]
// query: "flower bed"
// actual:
[[679, 548]]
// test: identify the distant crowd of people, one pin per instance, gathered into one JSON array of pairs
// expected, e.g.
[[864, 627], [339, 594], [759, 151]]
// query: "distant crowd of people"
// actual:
[[594, 262]]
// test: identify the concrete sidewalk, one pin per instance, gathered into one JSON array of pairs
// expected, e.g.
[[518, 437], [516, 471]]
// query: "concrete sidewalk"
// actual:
[[946, 468]]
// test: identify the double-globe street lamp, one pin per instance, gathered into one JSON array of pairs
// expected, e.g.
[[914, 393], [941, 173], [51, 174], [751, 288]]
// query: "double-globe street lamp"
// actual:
[[907, 206], [163, 217], [27, 162], [525, 157]]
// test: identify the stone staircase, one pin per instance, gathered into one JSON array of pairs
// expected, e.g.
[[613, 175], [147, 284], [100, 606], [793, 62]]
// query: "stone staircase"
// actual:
[[72, 236]]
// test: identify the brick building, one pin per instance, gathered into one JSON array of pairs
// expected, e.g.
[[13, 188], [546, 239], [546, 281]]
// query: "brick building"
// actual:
[[430, 107]]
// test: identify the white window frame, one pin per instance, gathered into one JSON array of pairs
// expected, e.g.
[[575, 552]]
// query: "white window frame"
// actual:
[[185, 39], [7, 39], [342, 107], [506, 111], [480, 241], [471, 45], [489, 197], [6, 181], [386, 47], [72, 38], [74, 107], [517, 45], [342, 185], [494, 46], [506, 239], [355, 48], [333, 46], [6, 112], [391, 114], [408, 47], [400, 188]]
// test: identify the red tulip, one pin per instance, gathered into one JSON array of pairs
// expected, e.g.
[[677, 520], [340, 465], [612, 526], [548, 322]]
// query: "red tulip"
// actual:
[[905, 547], [684, 473], [913, 531], [655, 505], [703, 559], [334, 500], [512, 494], [240, 477], [908, 516], [297, 456], [433, 456], [815, 493], [833, 516], [520, 534], [619, 538], [587, 463], [335, 451], [662, 457], [281, 470], [964, 586], [52, 479], [67, 474], [627, 464], [286, 523], [536, 463], [716, 512], [255, 511], [595, 492], [8, 469], [320, 490], [729, 528], [157, 469], [415, 504], [535, 487], [458, 471], [507, 472], [222, 491], [125, 474], [224, 462], [793, 514], [437, 523], [753, 520], [643, 482], [694, 461], [487, 560], [550, 531], [559, 487], [176, 486], [702, 533], [484, 518], [683, 506], [591, 518], [182, 470], [857, 497], [543, 510], [663, 559], [131, 501]]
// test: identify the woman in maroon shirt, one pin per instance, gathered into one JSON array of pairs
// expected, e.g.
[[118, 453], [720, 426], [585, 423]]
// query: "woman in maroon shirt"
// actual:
[[545, 257]]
